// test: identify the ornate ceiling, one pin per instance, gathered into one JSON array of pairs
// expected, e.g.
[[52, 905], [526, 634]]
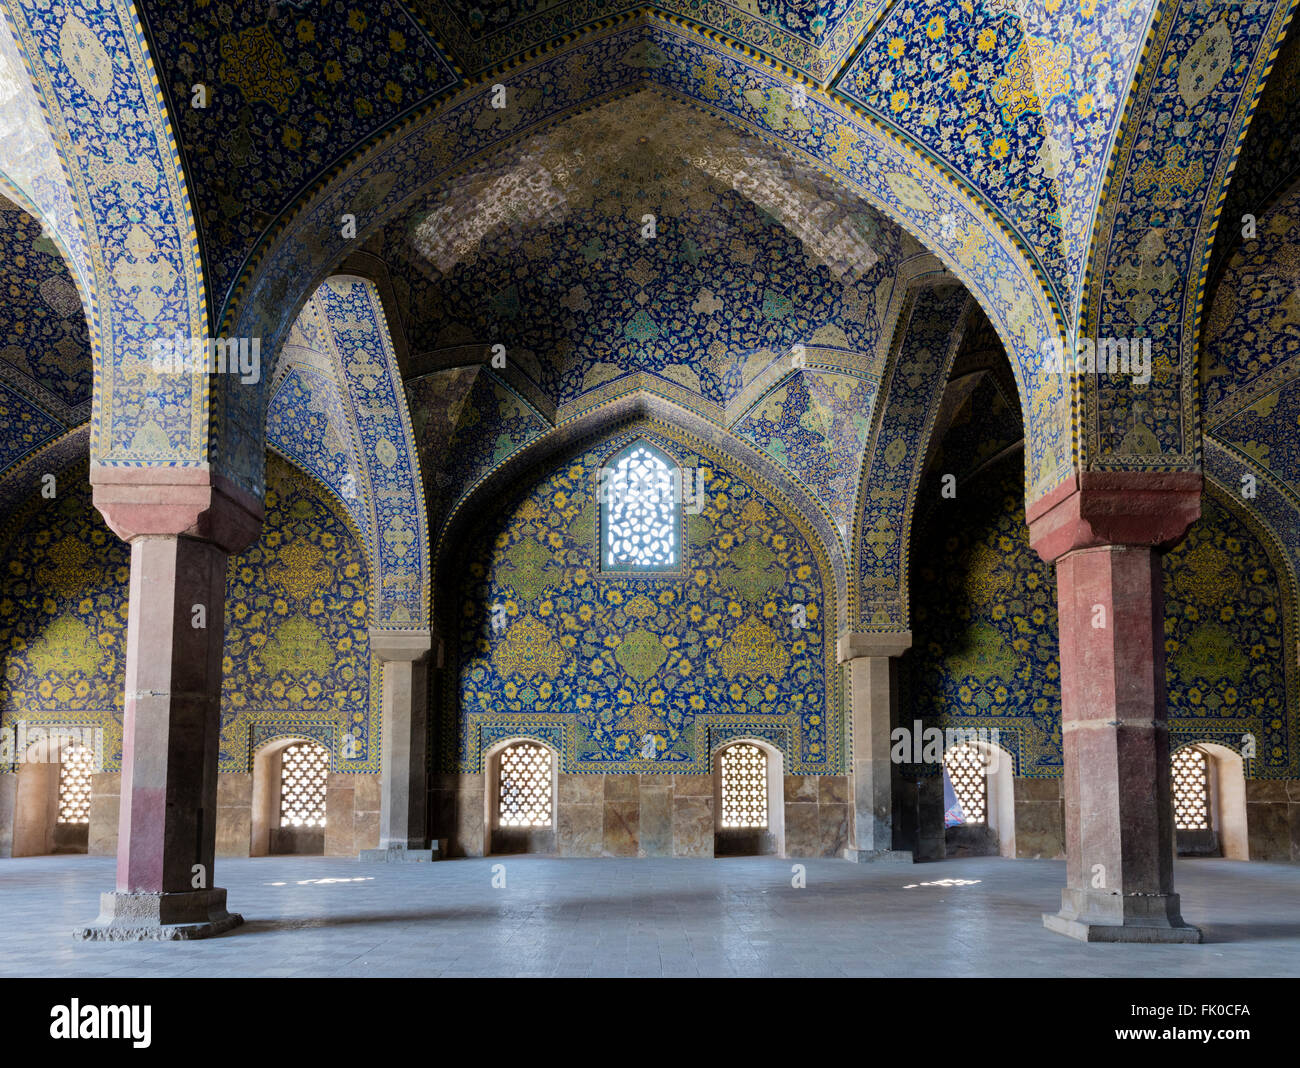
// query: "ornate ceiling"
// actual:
[[338, 410], [641, 237], [292, 90], [1066, 163], [812, 36], [1269, 163], [44, 346], [1250, 366]]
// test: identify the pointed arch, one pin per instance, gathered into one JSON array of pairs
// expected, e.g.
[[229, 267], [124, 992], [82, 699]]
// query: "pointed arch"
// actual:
[[514, 631], [145, 276], [1273, 517], [1190, 110], [33, 172], [694, 72], [926, 343], [598, 423], [347, 372], [748, 795]]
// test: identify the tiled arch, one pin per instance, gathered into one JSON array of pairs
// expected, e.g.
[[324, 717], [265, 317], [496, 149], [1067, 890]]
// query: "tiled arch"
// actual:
[[694, 71], [93, 75]]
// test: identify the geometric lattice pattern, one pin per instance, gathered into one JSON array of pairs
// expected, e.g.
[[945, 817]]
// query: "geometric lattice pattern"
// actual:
[[303, 769], [1191, 781], [640, 511], [74, 785], [968, 769], [524, 795], [744, 786]]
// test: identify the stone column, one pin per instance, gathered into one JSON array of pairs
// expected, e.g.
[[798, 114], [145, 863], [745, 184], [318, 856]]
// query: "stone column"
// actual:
[[1105, 533], [403, 820], [871, 663], [181, 531]]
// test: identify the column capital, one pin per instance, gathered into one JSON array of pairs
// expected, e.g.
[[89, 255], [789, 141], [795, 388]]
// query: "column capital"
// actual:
[[389, 645], [141, 502], [1141, 508], [856, 644]]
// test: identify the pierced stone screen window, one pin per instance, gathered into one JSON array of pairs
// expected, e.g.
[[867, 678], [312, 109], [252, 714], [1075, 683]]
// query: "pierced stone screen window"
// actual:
[[1191, 790], [744, 786], [524, 791], [968, 769], [74, 785], [303, 771], [640, 527]]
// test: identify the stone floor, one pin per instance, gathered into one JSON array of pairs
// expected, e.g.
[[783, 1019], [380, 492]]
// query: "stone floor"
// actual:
[[313, 916]]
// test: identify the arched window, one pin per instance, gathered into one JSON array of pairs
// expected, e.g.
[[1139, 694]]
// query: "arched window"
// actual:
[[304, 768], [74, 785], [1191, 783], [640, 528], [524, 786], [744, 787], [967, 768]]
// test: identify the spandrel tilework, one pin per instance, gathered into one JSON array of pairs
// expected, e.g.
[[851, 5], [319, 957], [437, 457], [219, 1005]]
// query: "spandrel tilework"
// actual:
[[548, 642]]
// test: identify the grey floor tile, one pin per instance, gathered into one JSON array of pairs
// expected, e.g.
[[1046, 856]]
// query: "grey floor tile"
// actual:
[[646, 917]]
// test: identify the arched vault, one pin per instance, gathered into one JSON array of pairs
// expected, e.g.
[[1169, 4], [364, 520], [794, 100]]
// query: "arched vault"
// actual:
[[683, 70], [339, 411], [1192, 101], [1009, 204], [125, 224], [928, 339]]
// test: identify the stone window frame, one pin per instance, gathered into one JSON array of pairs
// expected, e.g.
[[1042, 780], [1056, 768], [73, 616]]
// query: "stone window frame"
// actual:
[[678, 571], [320, 751], [985, 800], [265, 804], [999, 794], [492, 784], [1206, 791], [1226, 785], [775, 830], [37, 829]]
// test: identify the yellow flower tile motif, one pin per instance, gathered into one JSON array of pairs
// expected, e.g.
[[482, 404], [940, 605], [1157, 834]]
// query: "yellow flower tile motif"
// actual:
[[67, 647], [254, 61], [297, 646], [69, 558], [641, 654], [1037, 73], [298, 570], [528, 650], [753, 652], [674, 656]]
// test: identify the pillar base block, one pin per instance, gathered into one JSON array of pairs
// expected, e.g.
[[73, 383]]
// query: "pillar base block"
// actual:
[[145, 917], [399, 855], [1120, 932], [1097, 916], [866, 856]]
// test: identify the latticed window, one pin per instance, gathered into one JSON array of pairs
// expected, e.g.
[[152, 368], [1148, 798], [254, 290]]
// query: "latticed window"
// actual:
[[74, 784], [524, 786], [524, 790], [967, 767], [304, 767], [1191, 780], [744, 786], [640, 511]]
